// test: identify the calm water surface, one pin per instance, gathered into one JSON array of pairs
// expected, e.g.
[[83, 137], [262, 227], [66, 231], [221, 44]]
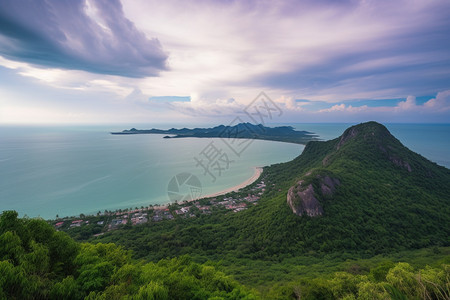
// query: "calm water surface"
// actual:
[[46, 171], [68, 171]]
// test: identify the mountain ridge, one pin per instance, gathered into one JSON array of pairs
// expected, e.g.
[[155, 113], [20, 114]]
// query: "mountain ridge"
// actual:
[[373, 140], [239, 131]]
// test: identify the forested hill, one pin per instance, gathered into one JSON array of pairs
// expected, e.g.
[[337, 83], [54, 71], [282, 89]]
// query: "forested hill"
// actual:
[[385, 198], [374, 195], [239, 131]]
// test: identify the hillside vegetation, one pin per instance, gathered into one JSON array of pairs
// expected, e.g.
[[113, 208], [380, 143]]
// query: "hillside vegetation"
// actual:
[[378, 228], [37, 262], [388, 199]]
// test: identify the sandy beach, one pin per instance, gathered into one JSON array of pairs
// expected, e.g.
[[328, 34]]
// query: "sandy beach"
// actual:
[[255, 176]]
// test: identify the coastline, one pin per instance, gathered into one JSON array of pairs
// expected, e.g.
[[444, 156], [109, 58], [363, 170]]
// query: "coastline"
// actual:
[[257, 173]]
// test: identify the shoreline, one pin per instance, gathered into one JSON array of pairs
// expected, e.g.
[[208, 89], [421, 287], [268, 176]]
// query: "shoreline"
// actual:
[[257, 173]]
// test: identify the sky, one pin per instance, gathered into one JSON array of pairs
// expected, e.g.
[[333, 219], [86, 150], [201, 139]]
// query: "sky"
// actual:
[[175, 62]]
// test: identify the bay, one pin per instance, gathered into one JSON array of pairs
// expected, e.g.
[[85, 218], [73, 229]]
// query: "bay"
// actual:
[[65, 171], [45, 171]]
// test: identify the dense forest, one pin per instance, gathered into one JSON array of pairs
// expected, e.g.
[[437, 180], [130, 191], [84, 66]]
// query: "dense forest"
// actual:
[[384, 233], [37, 262]]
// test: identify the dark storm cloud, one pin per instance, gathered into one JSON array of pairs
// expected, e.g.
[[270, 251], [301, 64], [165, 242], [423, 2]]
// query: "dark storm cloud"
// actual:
[[95, 37]]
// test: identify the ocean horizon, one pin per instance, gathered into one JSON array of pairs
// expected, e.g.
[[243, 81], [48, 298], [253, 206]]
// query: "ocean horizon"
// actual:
[[68, 170]]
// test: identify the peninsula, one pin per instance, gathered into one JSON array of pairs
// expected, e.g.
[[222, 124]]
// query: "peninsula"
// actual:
[[239, 131]]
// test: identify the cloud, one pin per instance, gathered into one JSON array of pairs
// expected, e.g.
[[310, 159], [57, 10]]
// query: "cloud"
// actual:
[[345, 59], [346, 108], [409, 103], [370, 49], [441, 102], [91, 35], [290, 103], [317, 50], [71, 79], [205, 108], [434, 110], [395, 110]]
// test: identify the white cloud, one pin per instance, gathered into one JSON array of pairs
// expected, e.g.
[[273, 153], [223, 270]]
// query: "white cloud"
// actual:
[[441, 102], [434, 110], [347, 108], [109, 86], [11, 64], [205, 108], [409, 103], [71, 79], [289, 103]]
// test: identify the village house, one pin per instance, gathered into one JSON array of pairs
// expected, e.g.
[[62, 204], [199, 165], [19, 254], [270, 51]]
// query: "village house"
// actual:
[[59, 224]]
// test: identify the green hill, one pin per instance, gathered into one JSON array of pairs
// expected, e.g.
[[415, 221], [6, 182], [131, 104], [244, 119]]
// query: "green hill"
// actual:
[[380, 195], [385, 198]]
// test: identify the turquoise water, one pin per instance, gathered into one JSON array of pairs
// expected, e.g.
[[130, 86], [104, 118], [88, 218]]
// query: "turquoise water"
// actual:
[[46, 171], [68, 171], [431, 141]]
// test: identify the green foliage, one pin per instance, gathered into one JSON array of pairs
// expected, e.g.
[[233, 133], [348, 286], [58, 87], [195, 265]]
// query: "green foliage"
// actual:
[[402, 282], [402, 277], [379, 273], [11, 247], [12, 281], [153, 290], [68, 288], [50, 265]]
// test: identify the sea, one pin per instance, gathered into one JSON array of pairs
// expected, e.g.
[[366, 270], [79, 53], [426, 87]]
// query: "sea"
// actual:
[[49, 171]]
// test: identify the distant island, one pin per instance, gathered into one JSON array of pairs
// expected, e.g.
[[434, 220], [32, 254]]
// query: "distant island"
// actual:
[[238, 131]]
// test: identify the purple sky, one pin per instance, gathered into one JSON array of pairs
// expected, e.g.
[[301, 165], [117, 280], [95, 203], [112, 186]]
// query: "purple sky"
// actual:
[[138, 61]]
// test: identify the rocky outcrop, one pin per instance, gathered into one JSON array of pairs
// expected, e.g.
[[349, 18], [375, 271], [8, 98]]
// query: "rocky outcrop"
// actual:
[[396, 160], [302, 198], [328, 186], [400, 163], [348, 135], [304, 202], [326, 161]]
